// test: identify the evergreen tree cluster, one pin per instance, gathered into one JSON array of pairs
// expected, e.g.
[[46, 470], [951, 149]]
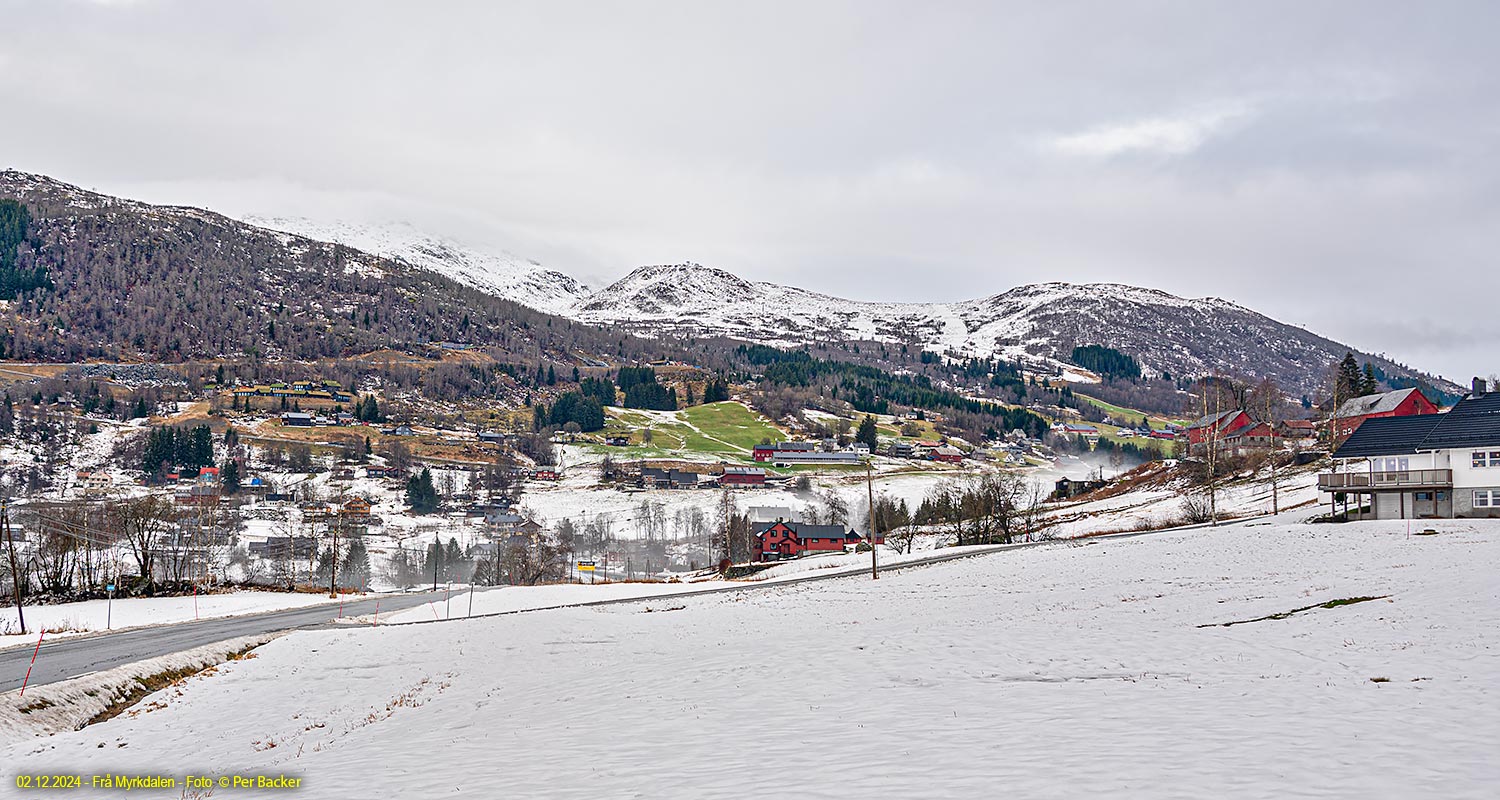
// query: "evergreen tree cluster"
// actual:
[[420, 493], [368, 409], [1106, 362], [1354, 381], [716, 390], [182, 447], [873, 390], [642, 391], [229, 477], [15, 225], [445, 563], [601, 389], [576, 407]]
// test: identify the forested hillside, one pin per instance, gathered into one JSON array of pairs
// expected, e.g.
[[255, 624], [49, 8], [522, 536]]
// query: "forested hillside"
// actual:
[[95, 277]]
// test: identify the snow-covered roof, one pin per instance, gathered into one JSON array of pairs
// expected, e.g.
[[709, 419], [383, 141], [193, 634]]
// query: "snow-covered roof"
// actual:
[[1374, 403]]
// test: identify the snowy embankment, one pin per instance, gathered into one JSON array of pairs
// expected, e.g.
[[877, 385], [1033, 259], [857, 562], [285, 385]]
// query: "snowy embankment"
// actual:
[[71, 704], [1158, 506], [1085, 668], [90, 616]]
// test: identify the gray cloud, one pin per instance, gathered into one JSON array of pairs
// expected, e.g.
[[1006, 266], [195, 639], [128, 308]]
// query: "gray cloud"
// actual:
[[1332, 165]]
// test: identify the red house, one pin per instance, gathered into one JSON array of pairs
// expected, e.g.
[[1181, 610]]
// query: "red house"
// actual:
[[1400, 403], [948, 455], [786, 540], [743, 476], [1217, 427]]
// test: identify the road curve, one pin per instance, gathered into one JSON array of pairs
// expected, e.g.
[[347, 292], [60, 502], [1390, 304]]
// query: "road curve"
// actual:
[[70, 657]]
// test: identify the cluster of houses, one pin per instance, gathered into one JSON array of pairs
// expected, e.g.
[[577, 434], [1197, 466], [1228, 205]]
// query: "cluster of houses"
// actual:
[[1402, 461], [1237, 433]]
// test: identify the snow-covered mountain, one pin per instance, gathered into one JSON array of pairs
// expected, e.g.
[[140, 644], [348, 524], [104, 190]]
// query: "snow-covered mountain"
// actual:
[[277, 263], [1040, 321], [495, 271]]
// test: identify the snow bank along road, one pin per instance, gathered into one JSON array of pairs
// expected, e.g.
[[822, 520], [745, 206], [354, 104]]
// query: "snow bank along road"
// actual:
[[79, 655], [1257, 660]]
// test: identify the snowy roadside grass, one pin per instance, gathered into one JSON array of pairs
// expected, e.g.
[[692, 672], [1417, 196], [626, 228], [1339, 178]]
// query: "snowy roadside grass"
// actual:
[[1069, 670], [526, 598], [529, 598], [69, 705], [89, 616]]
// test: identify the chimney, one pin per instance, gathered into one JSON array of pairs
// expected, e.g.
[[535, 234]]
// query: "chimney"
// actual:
[[1480, 387]]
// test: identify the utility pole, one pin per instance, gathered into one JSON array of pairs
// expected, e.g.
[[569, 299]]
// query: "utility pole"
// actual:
[[870, 495], [15, 573]]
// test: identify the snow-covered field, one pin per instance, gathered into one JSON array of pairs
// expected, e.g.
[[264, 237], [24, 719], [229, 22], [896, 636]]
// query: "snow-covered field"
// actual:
[[1065, 670], [71, 619]]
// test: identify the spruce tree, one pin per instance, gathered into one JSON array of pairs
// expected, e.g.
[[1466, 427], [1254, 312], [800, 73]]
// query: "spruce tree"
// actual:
[[1367, 383], [868, 434], [229, 476], [1349, 378]]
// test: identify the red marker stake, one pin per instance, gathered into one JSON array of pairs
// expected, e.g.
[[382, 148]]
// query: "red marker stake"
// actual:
[[195, 602], [377, 614], [33, 663]]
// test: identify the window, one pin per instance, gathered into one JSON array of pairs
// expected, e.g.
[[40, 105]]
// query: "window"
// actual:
[[1484, 498], [1424, 496], [1477, 458]]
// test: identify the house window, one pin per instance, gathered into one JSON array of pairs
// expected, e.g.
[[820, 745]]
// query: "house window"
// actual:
[[1424, 496], [1478, 459], [1484, 498]]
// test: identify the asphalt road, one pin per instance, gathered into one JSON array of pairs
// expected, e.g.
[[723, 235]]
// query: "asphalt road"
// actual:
[[73, 656]]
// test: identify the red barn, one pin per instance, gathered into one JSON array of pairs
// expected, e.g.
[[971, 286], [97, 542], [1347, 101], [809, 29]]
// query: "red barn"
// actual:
[[786, 540], [767, 452], [743, 476], [1217, 427], [1400, 403]]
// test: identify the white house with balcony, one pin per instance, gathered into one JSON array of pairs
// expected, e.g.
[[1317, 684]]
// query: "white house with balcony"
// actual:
[[1423, 467]]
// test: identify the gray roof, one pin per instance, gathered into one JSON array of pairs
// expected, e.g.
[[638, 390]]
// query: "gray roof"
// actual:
[[1374, 403], [1473, 422], [1219, 418], [806, 530]]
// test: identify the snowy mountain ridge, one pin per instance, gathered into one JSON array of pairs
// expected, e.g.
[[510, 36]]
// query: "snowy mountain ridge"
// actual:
[[1040, 322], [497, 272]]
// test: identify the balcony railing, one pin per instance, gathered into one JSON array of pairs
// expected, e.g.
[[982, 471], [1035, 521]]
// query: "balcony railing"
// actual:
[[1401, 479]]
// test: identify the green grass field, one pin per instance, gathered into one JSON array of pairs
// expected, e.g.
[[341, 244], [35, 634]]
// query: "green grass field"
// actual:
[[1157, 420], [724, 430]]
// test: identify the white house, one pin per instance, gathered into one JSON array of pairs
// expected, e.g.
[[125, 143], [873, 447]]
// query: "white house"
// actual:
[[1427, 466]]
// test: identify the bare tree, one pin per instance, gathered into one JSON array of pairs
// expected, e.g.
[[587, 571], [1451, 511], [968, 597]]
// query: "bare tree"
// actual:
[[143, 522]]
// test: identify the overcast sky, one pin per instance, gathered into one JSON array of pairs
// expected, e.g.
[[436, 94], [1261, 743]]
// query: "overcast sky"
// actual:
[[1334, 165]]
